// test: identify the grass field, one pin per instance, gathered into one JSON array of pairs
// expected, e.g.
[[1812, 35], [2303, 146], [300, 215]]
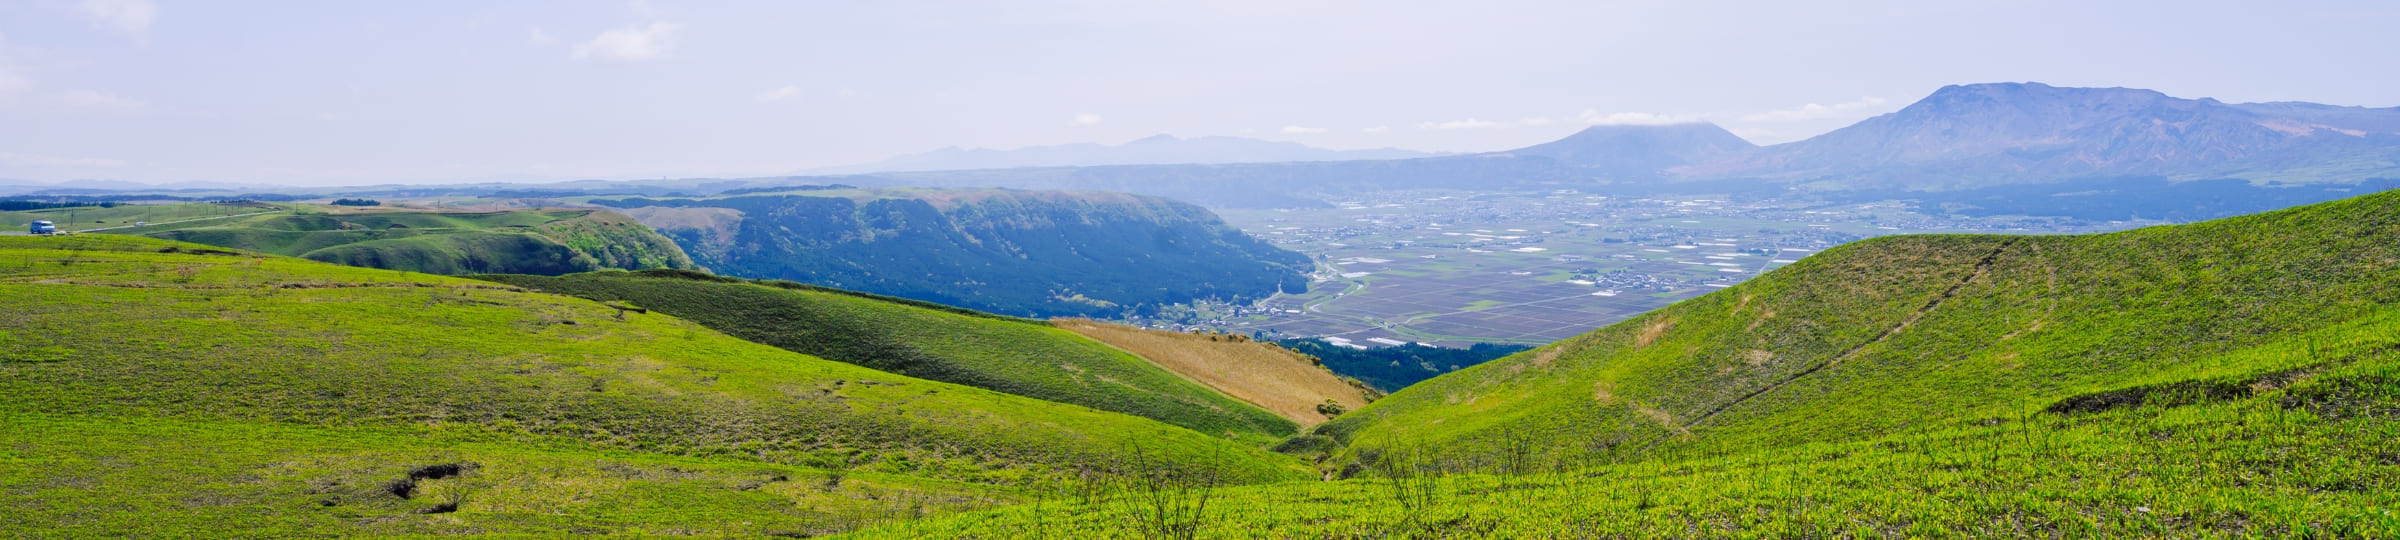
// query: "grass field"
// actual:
[[1017, 356], [2232, 378], [158, 383], [1263, 374], [2317, 459], [84, 476], [125, 215]]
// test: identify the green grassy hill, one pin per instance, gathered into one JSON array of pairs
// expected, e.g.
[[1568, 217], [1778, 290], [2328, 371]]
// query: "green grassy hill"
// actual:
[[528, 242], [1018, 356], [1884, 334], [159, 388], [2234, 378], [2317, 456], [2238, 377]]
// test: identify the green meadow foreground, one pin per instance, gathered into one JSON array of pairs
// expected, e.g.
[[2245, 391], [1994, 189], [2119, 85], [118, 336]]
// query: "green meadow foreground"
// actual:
[[2231, 378], [150, 387]]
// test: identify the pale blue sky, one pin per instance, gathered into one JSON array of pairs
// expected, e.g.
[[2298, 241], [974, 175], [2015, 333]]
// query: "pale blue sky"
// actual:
[[421, 91]]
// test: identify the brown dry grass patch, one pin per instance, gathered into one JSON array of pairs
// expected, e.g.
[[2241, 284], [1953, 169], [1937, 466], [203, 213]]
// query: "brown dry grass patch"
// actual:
[[1651, 333], [1270, 377]]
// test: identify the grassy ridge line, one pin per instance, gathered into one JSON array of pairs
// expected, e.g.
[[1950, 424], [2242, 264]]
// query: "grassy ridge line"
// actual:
[[87, 476], [458, 253], [539, 242], [122, 215], [2307, 453], [797, 286], [108, 325], [996, 353], [1879, 335]]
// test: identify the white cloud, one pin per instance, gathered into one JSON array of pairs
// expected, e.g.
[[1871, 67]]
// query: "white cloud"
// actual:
[[1297, 130], [539, 37], [55, 162], [779, 94], [128, 16], [1814, 111], [633, 43], [1595, 117], [1087, 119], [1376, 129], [1535, 121], [103, 102]]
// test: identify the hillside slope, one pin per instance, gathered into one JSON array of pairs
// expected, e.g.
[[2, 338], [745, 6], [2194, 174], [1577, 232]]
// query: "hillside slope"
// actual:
[[1886, 334], [173, 388], [1260, 373], [2236, 378], [525, 242], [2294, 455], [1010, 252], [1017, 356]]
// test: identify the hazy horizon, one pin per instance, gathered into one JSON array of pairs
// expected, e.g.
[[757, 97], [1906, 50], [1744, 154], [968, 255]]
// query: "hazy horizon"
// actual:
[[334, 94]]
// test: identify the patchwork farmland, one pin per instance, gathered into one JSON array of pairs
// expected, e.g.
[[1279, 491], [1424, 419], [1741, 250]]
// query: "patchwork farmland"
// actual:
[[1451, 269]]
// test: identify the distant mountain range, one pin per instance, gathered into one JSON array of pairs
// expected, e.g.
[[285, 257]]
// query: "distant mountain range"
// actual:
[[1989, 134], [2000, 147], [1639, 150], [1972, 149], [1155, 149]]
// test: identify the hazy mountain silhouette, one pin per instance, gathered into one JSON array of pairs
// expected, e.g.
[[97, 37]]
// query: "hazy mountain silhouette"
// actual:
[[1982, 135], [1645, 149], [1156, 149]]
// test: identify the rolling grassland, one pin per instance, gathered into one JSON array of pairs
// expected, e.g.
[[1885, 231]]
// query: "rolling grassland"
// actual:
[[519, 241], [1018, 356], [2231, 378], [161, 388]]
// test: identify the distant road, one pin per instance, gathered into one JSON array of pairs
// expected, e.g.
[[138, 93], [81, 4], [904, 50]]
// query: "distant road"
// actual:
[[176, 221]]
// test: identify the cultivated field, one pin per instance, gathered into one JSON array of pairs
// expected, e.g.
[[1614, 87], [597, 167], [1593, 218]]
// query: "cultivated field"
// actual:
[[1455, 268]]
